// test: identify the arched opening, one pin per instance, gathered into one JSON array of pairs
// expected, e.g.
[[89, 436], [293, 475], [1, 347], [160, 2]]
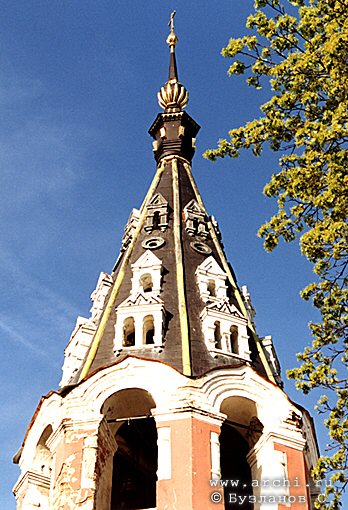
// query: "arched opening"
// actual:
[[148, 330], [135, 466], [211, 288], [146, 282], [42, 462], [128, 332], [239, 433], [134, 472], [234, 339], [234, 466], [217, 335]]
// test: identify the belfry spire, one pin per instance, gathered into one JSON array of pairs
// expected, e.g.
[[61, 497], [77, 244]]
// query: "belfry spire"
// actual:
[[172, 296], [174, 130]]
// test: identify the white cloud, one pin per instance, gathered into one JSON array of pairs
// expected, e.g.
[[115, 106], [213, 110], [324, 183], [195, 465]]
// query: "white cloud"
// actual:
[[18, 338]]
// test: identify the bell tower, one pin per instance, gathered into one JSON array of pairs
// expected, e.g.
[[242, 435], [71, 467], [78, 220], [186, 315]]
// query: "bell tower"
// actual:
[[169, 400]]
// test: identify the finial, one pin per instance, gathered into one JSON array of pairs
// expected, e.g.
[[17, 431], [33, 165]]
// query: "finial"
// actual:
[[171, 21], [172, 38], [173, 97]]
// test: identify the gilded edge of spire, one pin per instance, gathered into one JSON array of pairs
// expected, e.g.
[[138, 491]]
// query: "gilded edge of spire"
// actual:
[[173, 96]]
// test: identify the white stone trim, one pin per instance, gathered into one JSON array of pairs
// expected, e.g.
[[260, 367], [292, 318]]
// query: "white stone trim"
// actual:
[[164, 470], [31, 477], [33, 489], [99, 296], [271, 356], [215, 456], [130, 228], [76, 350]]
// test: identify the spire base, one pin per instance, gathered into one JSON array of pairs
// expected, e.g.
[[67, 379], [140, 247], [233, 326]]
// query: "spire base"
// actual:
[[174, 134]]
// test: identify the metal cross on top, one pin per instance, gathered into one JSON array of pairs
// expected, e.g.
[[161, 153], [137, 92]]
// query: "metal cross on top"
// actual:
[[171, 21], [172, 38]]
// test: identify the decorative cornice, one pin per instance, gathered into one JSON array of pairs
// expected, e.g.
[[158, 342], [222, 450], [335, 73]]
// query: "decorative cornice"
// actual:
[[33, 478]]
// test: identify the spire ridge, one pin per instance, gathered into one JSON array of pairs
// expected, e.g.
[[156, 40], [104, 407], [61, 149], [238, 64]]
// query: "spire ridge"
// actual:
[[173, 97]]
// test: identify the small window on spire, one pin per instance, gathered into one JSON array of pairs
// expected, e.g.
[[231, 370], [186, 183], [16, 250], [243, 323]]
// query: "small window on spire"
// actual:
[[128, 332], [217, 335], [148, 330], [146, 282], [234, 339], [211, 288], [157, 214]]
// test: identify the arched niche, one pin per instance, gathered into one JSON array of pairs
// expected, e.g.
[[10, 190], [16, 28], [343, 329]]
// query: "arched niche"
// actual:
[[42, 462], [134, 477], [239, 433]]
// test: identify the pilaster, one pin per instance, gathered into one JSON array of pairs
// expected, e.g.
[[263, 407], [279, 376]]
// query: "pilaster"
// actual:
[[83, 465], [278, 471], [187, 460]]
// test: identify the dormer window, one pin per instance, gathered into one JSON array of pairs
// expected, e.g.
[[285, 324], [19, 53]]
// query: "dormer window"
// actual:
[[140, 321], [211, 280], [157, 214], [195, 219], [147, 273], [225, 330]]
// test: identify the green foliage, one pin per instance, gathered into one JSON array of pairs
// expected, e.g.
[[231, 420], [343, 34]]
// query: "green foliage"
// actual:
[[301, 50]]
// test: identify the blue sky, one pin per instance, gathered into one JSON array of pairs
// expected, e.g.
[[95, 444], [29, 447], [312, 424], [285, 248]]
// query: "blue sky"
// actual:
[[78, 85]]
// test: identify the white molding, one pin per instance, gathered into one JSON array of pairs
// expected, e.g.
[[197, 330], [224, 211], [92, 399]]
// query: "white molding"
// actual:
[[215, 455], [164, 463], [34, 478]]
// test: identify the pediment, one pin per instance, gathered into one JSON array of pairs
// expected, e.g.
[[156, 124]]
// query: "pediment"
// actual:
[[193, 207], [146, 260], [226, 308], [157, 201], [210, 266], [140, 299]]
